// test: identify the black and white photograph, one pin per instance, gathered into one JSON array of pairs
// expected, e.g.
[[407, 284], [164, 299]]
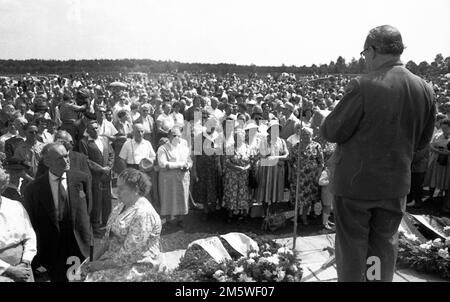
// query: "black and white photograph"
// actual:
[[224, 142]]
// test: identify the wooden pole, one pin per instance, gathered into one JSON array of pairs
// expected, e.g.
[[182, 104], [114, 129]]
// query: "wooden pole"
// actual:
[[294, 239]]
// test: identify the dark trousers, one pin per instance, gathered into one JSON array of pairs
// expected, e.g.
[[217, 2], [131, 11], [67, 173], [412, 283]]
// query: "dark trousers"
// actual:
[[415, 193], [67, 247], [366, 228], [101, 201]]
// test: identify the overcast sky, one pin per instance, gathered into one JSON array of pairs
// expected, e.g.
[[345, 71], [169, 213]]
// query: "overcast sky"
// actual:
[[261, 32]]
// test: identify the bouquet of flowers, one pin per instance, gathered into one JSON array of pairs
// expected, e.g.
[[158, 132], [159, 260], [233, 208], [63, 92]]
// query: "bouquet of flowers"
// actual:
[[272, 263], [430, 257]]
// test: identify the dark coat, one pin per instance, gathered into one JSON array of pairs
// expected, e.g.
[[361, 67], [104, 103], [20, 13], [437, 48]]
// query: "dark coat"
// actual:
[[38, 201], [97, 159], [384, 117], [11, 145]]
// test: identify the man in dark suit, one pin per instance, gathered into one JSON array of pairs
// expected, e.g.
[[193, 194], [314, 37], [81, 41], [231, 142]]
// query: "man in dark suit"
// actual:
[[384, 117], [101, 160], [78, 161], [58, 204]]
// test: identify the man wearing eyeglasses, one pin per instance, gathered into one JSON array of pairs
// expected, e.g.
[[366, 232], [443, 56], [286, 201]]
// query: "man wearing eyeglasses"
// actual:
[[384, 117]]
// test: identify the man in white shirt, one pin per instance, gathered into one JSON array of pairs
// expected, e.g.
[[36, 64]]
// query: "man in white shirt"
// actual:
[[136, 149], [17, 239], [106, 128], [164, 122]]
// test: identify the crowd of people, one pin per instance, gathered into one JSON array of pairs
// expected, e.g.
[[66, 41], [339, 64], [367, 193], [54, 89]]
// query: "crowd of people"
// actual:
[[167, 142]]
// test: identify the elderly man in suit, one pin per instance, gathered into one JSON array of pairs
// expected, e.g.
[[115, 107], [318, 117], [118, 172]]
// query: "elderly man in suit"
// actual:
[[384, 117], [58, 204], [101, 160], [78, 161]]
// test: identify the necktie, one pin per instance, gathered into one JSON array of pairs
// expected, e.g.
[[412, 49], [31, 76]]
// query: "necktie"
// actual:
[[62, 200]]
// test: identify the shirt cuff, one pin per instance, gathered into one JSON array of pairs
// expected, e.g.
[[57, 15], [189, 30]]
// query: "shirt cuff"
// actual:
[[28, 256], [3, 267]]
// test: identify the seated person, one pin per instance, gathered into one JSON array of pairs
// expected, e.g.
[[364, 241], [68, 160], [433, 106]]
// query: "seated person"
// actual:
[[132, 233], [17, 239]]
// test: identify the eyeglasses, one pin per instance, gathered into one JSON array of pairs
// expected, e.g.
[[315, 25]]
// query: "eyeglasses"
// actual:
[[362, 53]]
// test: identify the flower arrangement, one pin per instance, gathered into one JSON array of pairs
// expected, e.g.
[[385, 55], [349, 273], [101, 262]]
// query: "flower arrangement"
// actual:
[[430, 257], [272, 263]]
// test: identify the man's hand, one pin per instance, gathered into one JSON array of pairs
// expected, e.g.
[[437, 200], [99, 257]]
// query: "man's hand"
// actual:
[[19, 273]]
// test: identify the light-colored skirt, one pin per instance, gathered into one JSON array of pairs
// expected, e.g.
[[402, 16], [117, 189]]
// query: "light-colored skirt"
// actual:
[[437, 176], [174, 192]]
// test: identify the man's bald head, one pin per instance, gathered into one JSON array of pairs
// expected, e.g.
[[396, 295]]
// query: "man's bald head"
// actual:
[[64, 138], [385, 39]]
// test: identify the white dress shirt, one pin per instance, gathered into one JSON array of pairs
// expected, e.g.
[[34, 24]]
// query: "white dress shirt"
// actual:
[[98, 142], [133, 152], [15, 228], [54, 185]]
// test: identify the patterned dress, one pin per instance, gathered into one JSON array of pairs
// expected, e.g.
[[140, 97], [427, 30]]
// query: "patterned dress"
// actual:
[[311, 164], [236, 190], [437, 175], [132, 237]]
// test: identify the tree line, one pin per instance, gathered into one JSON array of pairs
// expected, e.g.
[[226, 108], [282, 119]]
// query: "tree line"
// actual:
[[340, 66]]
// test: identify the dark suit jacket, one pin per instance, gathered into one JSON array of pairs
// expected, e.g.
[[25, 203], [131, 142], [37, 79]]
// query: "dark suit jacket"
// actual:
[[11, 145], [97, 159], [38, 201], [78, 162], [384, 117]]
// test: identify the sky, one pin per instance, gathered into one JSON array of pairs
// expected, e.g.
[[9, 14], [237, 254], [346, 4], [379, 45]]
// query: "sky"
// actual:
[[261, 32]]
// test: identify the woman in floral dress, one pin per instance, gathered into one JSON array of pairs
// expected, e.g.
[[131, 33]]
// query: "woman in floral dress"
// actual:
[[131, 241], [311, 165], [236, 189]]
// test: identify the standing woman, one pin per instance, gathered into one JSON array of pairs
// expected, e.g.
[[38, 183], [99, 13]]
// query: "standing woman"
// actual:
[[236, 189], [174, 162], [311, 165], [438, 176], [271, 170], [206, 171]]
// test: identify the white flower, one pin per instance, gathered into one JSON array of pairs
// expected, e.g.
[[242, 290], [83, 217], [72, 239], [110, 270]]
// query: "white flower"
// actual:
[[274, 259], [245, 278], [425, 246], [253, 255], [267, 254], [238, 270], [280, 275], [447, 228], [282, 250], [250, 261], [411, 237], [222, 279], [218, 274], [293, 268], [443, 253], [437, 242]]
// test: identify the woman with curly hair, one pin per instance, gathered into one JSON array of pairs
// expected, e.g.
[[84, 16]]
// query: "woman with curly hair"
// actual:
[[132, 233]]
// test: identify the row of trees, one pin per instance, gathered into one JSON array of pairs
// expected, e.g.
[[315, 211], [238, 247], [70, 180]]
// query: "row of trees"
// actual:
[[11, 67]]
